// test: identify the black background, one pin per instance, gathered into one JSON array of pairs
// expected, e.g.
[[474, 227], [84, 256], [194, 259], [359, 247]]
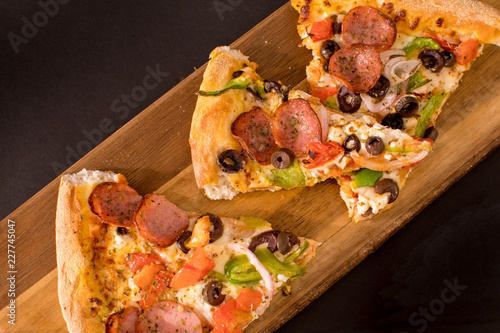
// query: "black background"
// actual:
[[64, 79]]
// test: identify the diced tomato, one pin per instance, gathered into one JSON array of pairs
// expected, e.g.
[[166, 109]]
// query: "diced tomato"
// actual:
[[195, 268], [467, 51], [323, 92], [248, 299], [229, 319], [322, 152], [321, 30], [445, 45], [136, 261], [146, 275], [159, 284]]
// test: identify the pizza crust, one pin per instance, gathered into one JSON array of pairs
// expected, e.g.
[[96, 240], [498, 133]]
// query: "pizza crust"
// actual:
[[446, 18], [74, 254]]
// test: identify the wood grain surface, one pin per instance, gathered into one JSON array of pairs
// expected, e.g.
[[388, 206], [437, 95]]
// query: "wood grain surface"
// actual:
[[152, 152]]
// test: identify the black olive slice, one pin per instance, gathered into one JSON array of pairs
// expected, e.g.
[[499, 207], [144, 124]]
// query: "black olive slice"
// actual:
[[328, 48], [432, 60], [368, 213], [407, 106], [349, 102], [268, 237], [272, 86], [230, 161], [326, 65], [217, 227], [121, 231], [282, 158], [254, 94], [284, 92], [380, 88], [181, 241], [393, 120], [374, 145], [213, 293], [286, 240], [387, 185], [431, 133], [351, 143], [337, 26], [237, 74], [449, 58]]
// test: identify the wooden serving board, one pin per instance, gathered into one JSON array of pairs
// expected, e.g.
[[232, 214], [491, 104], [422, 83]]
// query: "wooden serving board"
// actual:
[[152, 152]]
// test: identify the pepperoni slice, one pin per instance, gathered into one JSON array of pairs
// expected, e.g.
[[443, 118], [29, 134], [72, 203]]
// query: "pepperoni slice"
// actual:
[[296, 125], [358, 66], [115, 203], [169, 317], [367, 25], [253, 131], [159, 221], [123, 321]]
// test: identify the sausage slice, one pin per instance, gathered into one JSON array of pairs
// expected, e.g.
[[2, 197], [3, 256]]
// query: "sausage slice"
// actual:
[[253, 131], [159, 221], [295, 125], [169, 317], [115, 203], [124, 321]]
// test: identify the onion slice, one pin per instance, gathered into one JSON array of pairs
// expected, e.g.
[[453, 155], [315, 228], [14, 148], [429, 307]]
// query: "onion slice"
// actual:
[[266, 276], [381, 164], [386, 55], [322, 114]]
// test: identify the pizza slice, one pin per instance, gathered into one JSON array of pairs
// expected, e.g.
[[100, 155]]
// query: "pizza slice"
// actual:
[[133, 263], [251, 134], [396, 61]]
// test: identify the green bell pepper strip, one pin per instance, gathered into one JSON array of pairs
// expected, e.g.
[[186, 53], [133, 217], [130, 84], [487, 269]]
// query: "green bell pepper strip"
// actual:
[[289, 177], [420, 43], [366, 177], [237, 83], [331, 103], [425, 115], [293, 256], [416, 81], [240, 270]]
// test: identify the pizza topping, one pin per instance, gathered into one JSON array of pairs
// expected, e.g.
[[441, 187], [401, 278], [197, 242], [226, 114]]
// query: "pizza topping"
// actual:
[[248, 299], [200, 235], [449, 58], [195, 269], [159, 221], [421, 43], [407, 106], [445, 45], [295, 125], [321, 30], [169, 316], [123, 321], [425, 115], [321, 153], [229, 319], [323, 92], [282, 158], [236, 83], [230, 161], [431, 133], [366, 177], [380, 88], [399, 69], [254, 133], [374, 145], [387, 185], [432, 60], [181, 241], [286, 240], [136, 261], [368, 26], [267, 237], [349, 102], [358, 66], [416, 81], [290, 177], [115, 203], [467, 51], [351, 143], [393, 120], [213, 293], [272, 86], [217, 228], [328, 48]]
